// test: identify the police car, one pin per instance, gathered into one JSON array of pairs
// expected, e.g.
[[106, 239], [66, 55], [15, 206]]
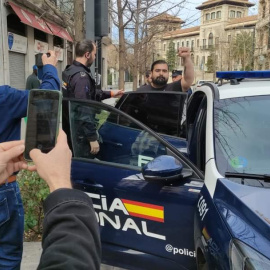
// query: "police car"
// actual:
[[176, 186]]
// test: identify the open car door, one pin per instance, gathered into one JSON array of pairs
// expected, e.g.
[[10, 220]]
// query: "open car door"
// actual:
[[146, 219]]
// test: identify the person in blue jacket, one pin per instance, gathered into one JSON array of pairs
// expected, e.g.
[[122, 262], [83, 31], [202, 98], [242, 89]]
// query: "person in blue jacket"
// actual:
[[13, 107]]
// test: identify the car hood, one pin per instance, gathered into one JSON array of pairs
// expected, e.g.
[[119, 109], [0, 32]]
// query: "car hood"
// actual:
[[246, 212]]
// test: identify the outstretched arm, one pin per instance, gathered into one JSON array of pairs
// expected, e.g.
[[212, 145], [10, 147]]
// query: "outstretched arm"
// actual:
[[188, 75]]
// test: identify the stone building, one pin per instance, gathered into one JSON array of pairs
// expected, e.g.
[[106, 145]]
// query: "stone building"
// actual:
[[262, 50], [221, 22]]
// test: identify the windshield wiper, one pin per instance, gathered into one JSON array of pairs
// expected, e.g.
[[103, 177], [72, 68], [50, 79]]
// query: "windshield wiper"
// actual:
[[265, 177]]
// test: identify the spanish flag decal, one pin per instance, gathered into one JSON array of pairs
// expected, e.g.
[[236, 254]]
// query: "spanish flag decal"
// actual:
[[144, 210], [205, 234]]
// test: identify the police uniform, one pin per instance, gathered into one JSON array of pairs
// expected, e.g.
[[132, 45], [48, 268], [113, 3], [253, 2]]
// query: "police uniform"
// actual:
[[77, 82]]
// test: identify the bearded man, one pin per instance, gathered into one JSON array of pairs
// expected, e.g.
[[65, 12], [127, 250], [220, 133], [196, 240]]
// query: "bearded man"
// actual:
[[160, 75]]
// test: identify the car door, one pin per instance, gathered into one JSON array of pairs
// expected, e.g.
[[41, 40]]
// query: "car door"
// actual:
[[143, 224]]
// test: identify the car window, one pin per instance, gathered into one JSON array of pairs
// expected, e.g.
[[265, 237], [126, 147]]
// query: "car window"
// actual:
[[241, 135], [121, 140], [162, 112]]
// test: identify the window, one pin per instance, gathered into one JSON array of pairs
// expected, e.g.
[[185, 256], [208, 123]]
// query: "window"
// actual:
[[210, 40], [164, 47], [239, 14], [198, 107], [58, 42], [192, 45], [15, 25], [204, 43], [213, 15], [217, 41], [198, 43], [197, 60], [187, 43], [232, 14], [122, 140], [229, 38], [218, 14], [207, 16], [183, 44], [203, 60], [178, 45]]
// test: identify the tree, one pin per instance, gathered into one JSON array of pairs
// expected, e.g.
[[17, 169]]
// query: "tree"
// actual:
[[171, 55], [243, 49], [79, 22], [131, 18]]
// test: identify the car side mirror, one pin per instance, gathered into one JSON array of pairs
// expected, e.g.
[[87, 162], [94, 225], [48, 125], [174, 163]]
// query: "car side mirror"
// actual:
[[165, 169]]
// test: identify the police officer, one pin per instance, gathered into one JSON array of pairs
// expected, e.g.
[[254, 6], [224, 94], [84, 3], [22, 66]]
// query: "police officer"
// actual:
[[78, 82], [176, 75]]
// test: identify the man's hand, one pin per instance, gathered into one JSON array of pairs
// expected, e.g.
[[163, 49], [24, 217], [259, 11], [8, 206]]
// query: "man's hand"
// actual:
[[188, 76], [184, 52], [11, 159], [51, 60], [117, 93], [94, 147], [55, 166]]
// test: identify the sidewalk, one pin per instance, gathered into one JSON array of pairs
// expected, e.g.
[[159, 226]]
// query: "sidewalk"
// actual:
[[31, 256]]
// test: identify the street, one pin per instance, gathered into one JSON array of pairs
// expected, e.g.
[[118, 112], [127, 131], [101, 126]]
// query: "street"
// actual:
[[32, 252]]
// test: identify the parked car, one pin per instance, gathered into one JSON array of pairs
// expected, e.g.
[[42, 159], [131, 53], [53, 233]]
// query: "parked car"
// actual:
[[200, 83], [176, 189]]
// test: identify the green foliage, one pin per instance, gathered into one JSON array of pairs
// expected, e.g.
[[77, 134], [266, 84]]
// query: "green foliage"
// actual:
[[109, 78], [210, 63], [101, 118], [171, 56], [34, 191], [243, 49]]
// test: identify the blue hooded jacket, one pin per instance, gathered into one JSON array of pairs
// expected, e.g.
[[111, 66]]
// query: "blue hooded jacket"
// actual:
[[13, 104]]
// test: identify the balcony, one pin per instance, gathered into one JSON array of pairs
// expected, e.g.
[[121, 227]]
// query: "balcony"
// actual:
[[207, 47]]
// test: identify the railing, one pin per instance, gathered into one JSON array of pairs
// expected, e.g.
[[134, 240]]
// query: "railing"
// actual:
[[207, 47]]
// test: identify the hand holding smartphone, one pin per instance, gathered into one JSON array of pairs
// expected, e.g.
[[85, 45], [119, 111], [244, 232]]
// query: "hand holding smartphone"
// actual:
[[43, 115]]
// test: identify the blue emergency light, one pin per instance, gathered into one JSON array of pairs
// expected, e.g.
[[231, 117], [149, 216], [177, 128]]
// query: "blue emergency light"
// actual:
[[229, 75]]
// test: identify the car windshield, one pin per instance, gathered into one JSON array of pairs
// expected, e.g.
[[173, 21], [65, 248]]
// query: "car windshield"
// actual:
[[241, 129]]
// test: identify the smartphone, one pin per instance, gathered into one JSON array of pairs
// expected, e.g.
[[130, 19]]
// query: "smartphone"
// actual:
[[43, 116]]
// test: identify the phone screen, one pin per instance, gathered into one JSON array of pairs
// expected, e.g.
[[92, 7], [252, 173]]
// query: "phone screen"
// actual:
[[42, 120]]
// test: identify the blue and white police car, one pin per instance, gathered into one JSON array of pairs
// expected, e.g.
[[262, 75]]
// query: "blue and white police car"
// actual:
[[177, 184]]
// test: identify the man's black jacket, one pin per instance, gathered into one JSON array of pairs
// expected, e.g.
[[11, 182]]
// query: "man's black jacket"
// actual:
[[71, 238]]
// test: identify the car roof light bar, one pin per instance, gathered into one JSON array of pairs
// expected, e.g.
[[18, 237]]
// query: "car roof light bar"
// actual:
[[228, 75]]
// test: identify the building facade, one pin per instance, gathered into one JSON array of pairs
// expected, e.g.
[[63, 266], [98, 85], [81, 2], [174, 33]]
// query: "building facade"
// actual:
[[211, 43], [27, 29], [262, 49]]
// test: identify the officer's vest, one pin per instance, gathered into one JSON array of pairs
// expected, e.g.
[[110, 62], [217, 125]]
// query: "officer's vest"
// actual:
[[67, 75]]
